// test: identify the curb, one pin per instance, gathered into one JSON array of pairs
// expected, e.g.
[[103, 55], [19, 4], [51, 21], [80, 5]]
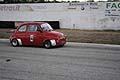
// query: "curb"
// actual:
[[92, 45], [4, 40]]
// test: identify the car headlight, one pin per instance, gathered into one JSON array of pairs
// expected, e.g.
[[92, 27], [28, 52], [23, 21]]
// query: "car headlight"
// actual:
[[63, 37], [62, 34]]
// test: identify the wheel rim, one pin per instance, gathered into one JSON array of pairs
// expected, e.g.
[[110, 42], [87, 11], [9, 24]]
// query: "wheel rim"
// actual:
[[14, 43], [47, 44]]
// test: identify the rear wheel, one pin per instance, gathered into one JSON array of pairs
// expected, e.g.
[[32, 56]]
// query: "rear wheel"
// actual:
[[47, 44], [14, 43]]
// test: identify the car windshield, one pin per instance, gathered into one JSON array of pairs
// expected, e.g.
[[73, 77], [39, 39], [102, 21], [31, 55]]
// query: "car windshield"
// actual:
[[46, 27]]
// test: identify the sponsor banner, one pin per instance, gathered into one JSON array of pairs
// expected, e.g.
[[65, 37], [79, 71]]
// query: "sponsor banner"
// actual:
[[89, 5], [83, 15], [9, 8], [32, 7], [112, 9], [21, 7]]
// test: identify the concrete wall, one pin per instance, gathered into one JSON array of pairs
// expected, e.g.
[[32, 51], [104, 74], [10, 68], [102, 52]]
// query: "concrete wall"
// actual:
[[84, 15]]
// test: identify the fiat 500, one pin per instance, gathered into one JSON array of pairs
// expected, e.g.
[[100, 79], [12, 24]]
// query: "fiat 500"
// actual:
[[37, 34]]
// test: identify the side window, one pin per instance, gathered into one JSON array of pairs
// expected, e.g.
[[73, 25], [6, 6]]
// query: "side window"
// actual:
[[32, 28], [22, 28]]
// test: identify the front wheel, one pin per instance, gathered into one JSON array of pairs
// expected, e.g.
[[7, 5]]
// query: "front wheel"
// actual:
[[14, 43], [47, 44]]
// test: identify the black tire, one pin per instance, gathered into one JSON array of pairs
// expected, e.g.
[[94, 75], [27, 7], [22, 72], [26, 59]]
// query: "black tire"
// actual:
[[14, 43], [62, 45], [47, 44]]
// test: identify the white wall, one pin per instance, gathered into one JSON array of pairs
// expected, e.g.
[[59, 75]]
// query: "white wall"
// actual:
[[84, 15]]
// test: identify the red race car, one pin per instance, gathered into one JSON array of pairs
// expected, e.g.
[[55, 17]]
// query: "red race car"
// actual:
[[37, 34]]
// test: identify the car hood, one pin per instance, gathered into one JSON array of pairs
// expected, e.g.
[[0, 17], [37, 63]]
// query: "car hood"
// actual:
[[54, 33]]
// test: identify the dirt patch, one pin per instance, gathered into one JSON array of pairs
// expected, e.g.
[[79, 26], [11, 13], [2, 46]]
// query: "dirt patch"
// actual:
[[5, 33], [92, 36], [83, 36]]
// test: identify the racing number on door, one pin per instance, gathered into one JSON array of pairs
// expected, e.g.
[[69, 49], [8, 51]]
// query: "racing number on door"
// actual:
[[31, 38]]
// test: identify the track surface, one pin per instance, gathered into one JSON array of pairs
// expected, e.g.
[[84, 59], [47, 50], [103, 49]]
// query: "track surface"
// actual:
[[72, 62]]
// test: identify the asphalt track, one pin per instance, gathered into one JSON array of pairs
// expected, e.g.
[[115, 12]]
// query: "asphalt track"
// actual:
[[74, 61]]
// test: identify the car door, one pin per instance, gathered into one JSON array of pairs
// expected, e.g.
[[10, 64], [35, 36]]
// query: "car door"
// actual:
[[35, 37], [21, 34]]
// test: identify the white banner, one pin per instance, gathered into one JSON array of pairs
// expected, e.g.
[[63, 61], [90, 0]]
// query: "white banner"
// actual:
[[84, 15]]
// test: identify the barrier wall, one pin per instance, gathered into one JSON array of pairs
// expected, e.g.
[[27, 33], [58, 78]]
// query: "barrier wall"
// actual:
[[84, 15]]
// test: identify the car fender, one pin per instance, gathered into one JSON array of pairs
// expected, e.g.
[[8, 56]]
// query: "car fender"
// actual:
[[53, 42], [19, 41]]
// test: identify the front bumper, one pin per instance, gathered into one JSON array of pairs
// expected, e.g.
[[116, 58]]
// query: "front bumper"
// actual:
[[61, 41]]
